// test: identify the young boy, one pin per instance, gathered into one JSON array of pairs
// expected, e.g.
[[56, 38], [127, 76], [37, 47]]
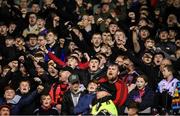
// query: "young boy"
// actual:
[[46, 108], [85, 102]]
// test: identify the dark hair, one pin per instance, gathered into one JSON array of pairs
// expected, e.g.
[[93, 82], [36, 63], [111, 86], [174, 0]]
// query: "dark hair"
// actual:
[[8, 88], [144, 77], [133, 104], [113, 64], [10, 37], [45, 94], [31, 36], [94, 81], [169, 68], [25, 80], [95, 58]]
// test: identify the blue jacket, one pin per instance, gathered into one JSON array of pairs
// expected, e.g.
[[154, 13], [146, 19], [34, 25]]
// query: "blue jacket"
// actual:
[[147, 98], [23, 102], [83, 106]]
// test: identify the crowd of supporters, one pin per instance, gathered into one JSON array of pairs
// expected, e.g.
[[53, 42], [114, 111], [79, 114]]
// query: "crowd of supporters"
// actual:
[[89, 57]]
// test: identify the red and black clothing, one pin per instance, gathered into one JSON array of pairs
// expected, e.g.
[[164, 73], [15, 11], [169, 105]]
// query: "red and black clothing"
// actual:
[[57, 91]]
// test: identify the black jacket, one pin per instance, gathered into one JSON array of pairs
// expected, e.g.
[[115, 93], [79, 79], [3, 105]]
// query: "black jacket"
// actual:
[[50, 111]]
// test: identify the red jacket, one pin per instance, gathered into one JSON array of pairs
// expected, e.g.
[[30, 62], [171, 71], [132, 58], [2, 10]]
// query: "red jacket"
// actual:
[[121, 91], [57, 91]]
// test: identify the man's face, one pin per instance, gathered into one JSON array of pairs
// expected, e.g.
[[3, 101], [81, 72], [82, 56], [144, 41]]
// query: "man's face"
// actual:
[[50, 38], [102, 59], [85, 20], [105, 49], [172, 19], [142, 23], [9, 42], [46, 101], [105, 8], [15, 64], [119, 60], [94, 65], [172, 34], [52, 71], [105, 35], [120, 38], [140, 83], [107, 39], [24, 87], [40, 70], [5, 111], [72, 62], [72, 46], [149, 44], [96, 40], [113, 28], [32, 41], [9, 94], [112, 72], [41, 41], [12, 27], [40, 23], [127, 63], [32, 19], [63, 76], [3, 30], [74, 87], [147, 58], [163, 35], [165, 72], [23, 3], [164, 62], [35, 8], [144, 33], [158, 59], [56, 20], [62, 42]]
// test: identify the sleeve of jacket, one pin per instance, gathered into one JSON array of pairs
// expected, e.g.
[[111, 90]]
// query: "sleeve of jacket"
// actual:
[[4, 80], [83, 65], [64, 110], [56, 59], [30, 67], [80, 107]]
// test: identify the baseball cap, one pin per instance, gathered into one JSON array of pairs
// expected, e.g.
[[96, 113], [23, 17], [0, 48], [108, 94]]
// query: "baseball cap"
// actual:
[[73, 78]]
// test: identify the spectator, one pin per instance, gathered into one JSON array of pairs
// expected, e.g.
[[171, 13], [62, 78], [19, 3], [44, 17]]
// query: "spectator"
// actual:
[[133, 109], [85, 102], [114, 86], [166, 88], [60, 87], [142, 94], [5, 110], [71, 97], [46, 108], [32, 27]]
